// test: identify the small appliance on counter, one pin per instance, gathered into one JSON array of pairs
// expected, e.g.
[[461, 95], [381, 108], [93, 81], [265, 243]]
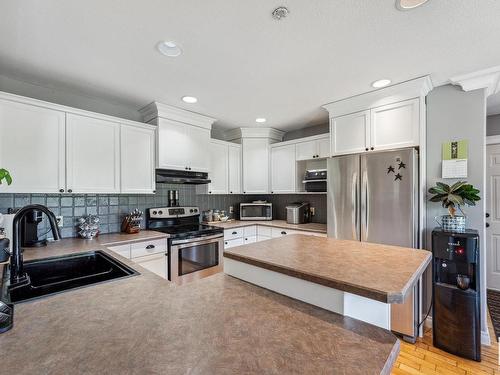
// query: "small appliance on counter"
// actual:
[[256, 210], [456, 319], [315, 180], [298, 213]]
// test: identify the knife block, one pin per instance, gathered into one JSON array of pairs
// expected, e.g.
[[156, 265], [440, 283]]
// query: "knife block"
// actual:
[[129, 227]]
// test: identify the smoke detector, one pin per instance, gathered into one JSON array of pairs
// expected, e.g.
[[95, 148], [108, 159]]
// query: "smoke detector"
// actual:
[[279, 13]]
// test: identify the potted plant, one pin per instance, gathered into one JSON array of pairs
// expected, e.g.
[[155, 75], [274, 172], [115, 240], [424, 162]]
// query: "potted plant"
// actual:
[[453, 198], [5, 175]]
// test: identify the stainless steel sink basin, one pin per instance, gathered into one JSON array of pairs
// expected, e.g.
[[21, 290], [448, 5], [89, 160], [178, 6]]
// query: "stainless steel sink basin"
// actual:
[[59, 274]]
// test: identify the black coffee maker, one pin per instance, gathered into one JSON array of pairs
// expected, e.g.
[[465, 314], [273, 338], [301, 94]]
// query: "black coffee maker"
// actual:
[[29, 230]]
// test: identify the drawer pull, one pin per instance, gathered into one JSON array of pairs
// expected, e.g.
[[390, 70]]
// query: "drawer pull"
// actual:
[[150, 247], [283, 232], [225, 243], [234, 233]]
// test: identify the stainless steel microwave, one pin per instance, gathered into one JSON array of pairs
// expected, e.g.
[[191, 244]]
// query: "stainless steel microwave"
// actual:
[[256, 211]]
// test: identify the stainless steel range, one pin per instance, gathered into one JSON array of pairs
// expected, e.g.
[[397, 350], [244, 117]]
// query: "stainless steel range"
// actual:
[[194, 249]]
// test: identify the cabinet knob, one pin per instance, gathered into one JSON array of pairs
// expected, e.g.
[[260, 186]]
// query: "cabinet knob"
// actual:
[[487, 225], [244, 192], [225, 243], [487, 214], [209, 192], [230, 192], [70, 191], [372, 148], [317, 156], [61, 190], [366, 149]]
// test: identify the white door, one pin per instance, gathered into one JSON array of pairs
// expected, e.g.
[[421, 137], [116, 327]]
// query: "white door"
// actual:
[[493, 210], [283, 166], [218, 168], [395, 125], [137, 159], [255, 166], [32, 148], [306, 150], [92, 155], [234, 169], [156, 263], [198, 144], [324, 147], [173, 143], [350, 133]]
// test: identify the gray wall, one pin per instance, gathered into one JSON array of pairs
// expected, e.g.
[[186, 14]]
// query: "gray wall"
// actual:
[[453, 114], [493, 125], [307, 132], [112, 208], [69, 98]]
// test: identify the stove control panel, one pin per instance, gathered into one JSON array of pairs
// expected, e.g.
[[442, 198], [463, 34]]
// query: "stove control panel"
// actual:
[[173, 212]]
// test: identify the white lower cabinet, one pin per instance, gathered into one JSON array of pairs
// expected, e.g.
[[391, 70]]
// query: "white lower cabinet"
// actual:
[[250, 239], [123, 250], [156, 263], [280, 232], [232, 243]]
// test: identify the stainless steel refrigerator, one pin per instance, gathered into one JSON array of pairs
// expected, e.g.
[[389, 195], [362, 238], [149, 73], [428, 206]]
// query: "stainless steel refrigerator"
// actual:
[[373, 197]]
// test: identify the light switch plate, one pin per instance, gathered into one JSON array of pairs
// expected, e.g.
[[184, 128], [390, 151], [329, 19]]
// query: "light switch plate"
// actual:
[[59, 221]]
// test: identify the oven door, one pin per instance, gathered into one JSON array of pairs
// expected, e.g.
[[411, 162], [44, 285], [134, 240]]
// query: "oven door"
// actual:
[[195, 258]]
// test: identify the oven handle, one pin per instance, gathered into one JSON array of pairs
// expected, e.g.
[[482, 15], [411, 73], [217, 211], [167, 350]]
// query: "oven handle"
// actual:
[[198, 240]]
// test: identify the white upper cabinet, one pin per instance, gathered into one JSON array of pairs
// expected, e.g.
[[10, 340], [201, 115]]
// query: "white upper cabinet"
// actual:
[[183, 137], [313, 149], [218, 174], [395, 125], [93, 155], [234, 169], [32, 148], [283, 169], [350, 133], [182, 146], [255, 165], [137, 159]]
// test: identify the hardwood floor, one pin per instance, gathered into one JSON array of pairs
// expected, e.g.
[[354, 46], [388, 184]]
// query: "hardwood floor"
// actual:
[[423, 358]]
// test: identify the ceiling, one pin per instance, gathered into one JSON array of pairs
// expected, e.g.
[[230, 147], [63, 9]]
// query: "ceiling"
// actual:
[[238, 61]]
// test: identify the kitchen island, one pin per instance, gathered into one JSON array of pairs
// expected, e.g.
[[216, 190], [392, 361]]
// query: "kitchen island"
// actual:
[[218, 325], [352, 278]]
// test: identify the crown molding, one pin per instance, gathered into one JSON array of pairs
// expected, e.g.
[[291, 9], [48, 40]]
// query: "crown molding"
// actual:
[[488, 79], [414, 88], [156, 110], [238, 133]]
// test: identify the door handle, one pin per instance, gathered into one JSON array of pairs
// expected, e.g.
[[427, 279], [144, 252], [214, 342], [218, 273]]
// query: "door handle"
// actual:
[[487, 225], [354, 204]]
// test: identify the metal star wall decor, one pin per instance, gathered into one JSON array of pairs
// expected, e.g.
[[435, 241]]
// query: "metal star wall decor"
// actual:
[[390, 169], [402, 165], [398, 177]]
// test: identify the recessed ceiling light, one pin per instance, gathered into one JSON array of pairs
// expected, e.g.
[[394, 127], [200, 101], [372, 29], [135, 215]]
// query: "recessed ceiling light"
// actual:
[[169, 48], [189, 99], [260, 120], [409, 4], [381, 83]]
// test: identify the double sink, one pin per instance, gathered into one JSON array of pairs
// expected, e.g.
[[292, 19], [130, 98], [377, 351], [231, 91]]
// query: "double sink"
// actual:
[[59, 274]]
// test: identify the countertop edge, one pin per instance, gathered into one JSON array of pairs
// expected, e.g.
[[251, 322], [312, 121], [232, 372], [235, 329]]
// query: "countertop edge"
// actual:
[[242, 224]]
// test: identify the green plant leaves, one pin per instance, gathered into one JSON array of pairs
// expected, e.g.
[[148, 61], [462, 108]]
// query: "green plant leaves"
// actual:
[[5, 175], [459, 194]]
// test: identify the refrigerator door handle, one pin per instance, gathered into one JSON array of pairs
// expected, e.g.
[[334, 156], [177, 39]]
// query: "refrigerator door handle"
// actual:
[[364, 206], [354, 204]]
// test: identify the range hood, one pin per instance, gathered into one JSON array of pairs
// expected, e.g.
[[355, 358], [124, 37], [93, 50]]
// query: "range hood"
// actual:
[[172, 176]]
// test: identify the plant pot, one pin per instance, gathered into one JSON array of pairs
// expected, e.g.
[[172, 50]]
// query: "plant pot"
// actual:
[[451, 223]]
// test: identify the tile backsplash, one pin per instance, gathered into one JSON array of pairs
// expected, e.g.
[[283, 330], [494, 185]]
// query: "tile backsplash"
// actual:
[[112, 208]]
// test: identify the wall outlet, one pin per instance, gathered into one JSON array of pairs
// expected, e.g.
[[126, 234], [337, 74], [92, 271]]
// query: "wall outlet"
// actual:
[[59, 220], [231, 209], [313, 211]]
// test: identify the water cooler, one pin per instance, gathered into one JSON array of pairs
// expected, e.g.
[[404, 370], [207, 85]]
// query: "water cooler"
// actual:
[[456, 318]]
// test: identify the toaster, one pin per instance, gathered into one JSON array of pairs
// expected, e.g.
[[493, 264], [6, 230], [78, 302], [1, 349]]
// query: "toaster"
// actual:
[[298, 213]]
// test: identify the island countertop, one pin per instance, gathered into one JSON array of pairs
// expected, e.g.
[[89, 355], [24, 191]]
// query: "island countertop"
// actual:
[[379, 272], [218, 325]]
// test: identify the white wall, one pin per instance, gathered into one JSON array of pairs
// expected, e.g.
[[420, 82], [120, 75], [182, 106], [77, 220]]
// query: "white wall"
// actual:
[[453, 114]]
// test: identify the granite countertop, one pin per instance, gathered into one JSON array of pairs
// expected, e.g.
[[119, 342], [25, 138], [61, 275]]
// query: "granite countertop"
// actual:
[[310, 227], [217, 325], [380, 272]]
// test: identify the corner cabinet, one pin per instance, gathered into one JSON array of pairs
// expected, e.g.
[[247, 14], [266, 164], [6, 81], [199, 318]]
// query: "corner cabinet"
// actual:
[[225, 169], [93, 155], [137, 145], [255, 153], [234, 168], [32, 148]]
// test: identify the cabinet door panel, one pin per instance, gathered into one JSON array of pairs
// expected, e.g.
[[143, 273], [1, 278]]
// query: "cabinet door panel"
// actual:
[[395, 125], [324, 147], [306, 150], [255, 166], [173, 143], [234, 169], [93, 155], [283, 169], [137, 159], [198, 143], [156, 263], [218, 168], [32, 148], [350, 133]]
